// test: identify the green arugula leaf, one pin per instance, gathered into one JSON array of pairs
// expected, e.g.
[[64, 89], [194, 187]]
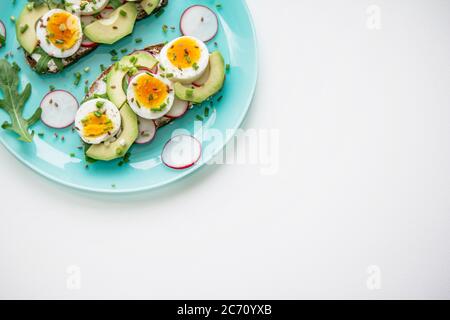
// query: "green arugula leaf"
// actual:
[[42, 64], [13, 102]]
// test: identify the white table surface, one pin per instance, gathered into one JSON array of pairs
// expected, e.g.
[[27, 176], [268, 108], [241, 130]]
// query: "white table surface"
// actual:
[[362, 190]]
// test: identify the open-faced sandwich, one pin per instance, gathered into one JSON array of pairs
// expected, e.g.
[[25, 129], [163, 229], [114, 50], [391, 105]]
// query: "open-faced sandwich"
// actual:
[[135, 96], [57, 33]]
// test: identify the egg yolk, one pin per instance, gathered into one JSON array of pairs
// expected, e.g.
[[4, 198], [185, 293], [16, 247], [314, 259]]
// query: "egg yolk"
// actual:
[[150, 92], [63, 30], [184, 53], [96, 124]]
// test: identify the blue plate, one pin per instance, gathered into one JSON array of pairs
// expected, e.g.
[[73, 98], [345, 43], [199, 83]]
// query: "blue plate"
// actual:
[[61, 160]]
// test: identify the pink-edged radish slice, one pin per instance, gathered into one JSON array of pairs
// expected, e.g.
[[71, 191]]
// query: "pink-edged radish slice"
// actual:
[[202, 80], [100, 87], [105, 13], [59, 109], [147, 131], [88, 43], [179, 108], [181, 152], [200, 22], [155, 69], [85, 21], [2, 32]]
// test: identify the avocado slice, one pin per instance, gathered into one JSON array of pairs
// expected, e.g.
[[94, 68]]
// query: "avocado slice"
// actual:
[[26, 26], [118, 148], [110, 30], [149, 5], [211, 87], [114, 88]]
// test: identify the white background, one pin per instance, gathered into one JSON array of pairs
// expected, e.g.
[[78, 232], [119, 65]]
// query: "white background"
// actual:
[[364, 168]]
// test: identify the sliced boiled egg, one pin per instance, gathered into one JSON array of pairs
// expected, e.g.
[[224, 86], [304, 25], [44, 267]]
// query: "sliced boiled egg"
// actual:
[[86, 7], [184, 59], [59, 33], [150, 96], [97, 120]]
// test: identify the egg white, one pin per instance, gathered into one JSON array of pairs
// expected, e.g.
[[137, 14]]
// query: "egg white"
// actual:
[[144, 112], [187, 75], [111, 111], [50, 48], [90, 8]]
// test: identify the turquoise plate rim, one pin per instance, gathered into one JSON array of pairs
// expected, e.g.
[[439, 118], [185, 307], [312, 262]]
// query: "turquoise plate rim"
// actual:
[[186, 172]]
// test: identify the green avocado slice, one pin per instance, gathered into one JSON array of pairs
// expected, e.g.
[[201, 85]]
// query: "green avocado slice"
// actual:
[[118, 25], [115, 77], [118, 148], [211, 87]]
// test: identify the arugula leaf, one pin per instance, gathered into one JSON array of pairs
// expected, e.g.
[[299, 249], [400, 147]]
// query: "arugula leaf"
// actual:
[[13, 102]]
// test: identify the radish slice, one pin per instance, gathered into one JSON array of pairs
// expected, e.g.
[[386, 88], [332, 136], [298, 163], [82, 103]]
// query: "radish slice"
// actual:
[[87, 43], [2, 31], [178, 109], [100, 87], [87, 20], [200, 22], [202, 80], [154, 70], [106, 12], [147, 131], [181, 152], [59, 109]]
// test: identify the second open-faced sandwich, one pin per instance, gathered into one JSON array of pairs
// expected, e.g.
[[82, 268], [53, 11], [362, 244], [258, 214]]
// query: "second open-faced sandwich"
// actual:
[[55, 34]]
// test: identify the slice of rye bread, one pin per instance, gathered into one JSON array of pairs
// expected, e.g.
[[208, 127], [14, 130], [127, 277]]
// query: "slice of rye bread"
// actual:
[[83, 51], [154, 50]]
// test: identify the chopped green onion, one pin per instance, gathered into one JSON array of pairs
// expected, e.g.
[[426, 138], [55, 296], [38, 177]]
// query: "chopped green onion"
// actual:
[[23, 28]]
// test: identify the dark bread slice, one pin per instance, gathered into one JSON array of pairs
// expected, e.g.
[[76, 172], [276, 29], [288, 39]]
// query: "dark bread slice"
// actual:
[[85, 51], [154, 50]]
